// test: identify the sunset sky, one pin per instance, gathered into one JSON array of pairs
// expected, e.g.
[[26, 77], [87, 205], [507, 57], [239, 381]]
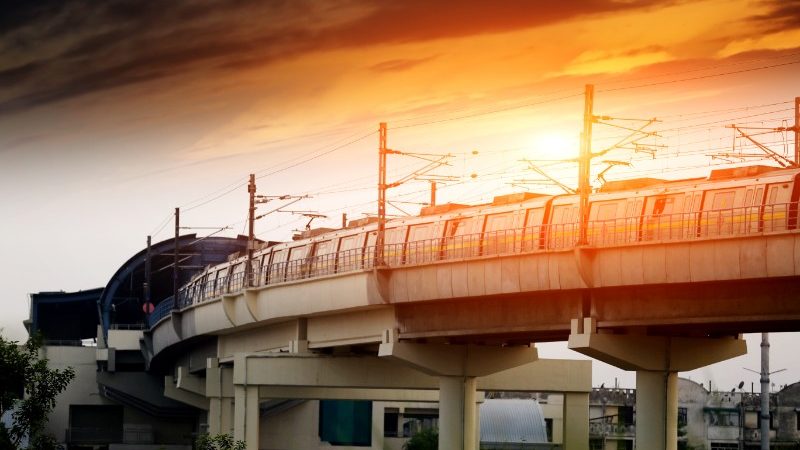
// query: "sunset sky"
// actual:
[[113, 113]]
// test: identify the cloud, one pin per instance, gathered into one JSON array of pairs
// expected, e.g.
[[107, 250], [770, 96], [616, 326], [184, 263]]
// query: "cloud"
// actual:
[[596, 61], [53, 50], [782, 15], [398, 65]]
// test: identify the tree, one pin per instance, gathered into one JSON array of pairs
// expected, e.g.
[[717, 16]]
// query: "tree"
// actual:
[[427, 439], [29, 387], [219, 442]]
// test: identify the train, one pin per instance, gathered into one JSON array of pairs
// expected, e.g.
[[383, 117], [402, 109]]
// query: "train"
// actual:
[[729, 202]]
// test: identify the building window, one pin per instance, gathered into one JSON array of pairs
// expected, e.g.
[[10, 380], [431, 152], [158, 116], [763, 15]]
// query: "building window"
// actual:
[[345, 422], [391, 417], [548, 424], [417, 419], [683, 417], [723, 418], [625, 415]]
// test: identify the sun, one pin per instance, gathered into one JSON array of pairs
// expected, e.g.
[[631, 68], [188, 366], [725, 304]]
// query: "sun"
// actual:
[[553, 145]]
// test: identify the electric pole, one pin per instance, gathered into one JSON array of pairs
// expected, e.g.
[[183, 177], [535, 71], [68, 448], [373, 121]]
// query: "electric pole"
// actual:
[[584, 164], [797, 131], [251, 235], [175, 260], [382, 152], [433, 193], [764, 413], [147, 275]]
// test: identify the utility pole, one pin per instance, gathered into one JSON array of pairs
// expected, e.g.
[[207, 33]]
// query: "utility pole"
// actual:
[[433, 193], [764, 413], [175, 260], [251, 235], [382, 152], [797, 131], [584, 164], [147, 277]]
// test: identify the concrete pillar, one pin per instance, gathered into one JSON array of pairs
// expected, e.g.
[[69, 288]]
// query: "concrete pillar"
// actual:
[[457, 366], [246, 415], [657, 361], [576, 421], [656, 409], [220, 414], [457, 413]]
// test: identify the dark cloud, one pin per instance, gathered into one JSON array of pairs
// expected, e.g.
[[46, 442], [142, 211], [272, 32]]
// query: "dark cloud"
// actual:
[[56, 50], [783, 15]]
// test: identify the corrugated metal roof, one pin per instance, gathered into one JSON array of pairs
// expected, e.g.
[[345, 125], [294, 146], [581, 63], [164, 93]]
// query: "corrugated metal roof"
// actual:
[[512, 420]]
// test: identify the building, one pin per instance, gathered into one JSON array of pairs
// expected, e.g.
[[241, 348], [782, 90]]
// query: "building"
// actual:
[[707, 420]]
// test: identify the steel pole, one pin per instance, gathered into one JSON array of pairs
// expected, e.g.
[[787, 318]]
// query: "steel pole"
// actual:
[[764, 413], [584, 163]]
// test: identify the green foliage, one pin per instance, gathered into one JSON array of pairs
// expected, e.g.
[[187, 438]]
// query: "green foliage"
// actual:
[[427, 439], [27, 383], [219, 442]]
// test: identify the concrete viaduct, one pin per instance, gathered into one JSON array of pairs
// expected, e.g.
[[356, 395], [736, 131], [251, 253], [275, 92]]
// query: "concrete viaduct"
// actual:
[[448, 330]]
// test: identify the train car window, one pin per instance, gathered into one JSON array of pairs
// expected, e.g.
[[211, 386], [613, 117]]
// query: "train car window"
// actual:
[[277, 267], [394, 242], [629, 208], [759, 199], [748, 198], [422, 245], [687, 204], [534, 218], [533, 229], [607, 212], [297, 259], [462, 237], [497, 222], [696, 203], [773, 195], [723, 200], [603, 223], [323, 261], [237, 277], [499, 236], [350, 253]]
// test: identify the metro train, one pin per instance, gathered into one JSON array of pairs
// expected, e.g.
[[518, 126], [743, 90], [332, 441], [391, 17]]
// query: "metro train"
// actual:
[[729, 202]]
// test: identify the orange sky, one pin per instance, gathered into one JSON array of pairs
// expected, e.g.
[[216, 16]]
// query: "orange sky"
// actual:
[[111, 115]]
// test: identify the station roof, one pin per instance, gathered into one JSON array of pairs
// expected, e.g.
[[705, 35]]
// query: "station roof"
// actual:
[[512, 421]]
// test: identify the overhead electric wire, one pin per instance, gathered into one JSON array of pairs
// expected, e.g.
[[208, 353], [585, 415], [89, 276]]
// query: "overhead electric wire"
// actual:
[[701, 77]]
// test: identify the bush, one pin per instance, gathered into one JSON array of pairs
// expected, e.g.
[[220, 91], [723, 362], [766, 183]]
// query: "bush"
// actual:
[[219, 442], [427, 439]]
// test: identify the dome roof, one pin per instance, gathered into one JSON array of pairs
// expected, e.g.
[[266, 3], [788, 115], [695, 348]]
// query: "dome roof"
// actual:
[[512, 421]]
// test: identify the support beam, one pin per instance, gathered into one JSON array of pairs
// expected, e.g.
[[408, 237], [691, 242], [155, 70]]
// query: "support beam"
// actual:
[[326, 393], [190, 383], [369, 372], [457, 360], [192, 399]]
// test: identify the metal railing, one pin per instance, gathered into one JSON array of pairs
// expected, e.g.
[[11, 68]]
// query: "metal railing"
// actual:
[[684, 226]]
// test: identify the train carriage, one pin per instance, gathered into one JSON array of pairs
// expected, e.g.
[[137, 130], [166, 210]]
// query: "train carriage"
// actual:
[[730, 202]]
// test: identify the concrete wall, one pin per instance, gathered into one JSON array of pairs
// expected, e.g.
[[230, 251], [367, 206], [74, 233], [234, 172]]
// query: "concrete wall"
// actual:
[[124, 339], [81, 391]]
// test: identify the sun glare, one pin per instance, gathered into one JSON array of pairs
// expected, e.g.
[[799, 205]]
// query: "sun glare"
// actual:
[[553, 145]]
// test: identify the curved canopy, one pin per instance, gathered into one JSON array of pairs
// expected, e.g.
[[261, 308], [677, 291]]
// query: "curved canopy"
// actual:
[[123, 297], [515, 421]]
